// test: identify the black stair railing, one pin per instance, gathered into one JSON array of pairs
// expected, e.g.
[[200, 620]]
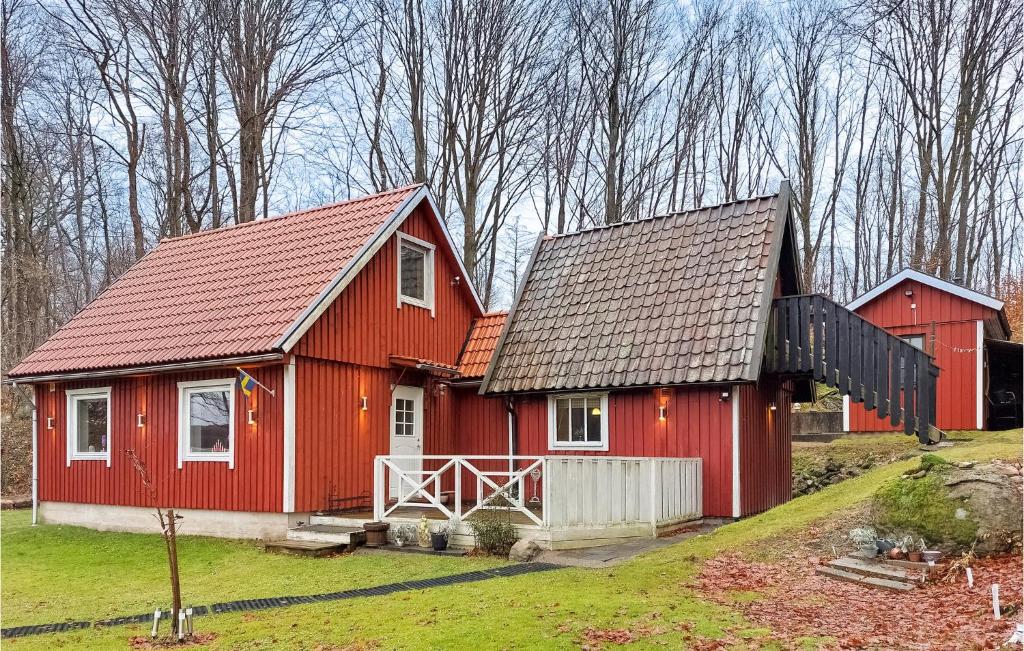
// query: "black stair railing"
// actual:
[[811, 335]]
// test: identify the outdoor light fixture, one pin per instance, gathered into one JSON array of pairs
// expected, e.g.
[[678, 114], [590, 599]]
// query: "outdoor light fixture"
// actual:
[[596, 411], [49, 422], [363, 403], [772, 406], [662, 411], [725, 396], [252, 416], [141, 420]]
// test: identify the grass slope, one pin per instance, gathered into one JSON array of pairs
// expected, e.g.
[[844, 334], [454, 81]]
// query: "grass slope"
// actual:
[[650, 599]]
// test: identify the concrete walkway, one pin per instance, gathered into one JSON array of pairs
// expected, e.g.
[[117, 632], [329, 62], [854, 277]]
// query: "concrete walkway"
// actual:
[[611, 555]]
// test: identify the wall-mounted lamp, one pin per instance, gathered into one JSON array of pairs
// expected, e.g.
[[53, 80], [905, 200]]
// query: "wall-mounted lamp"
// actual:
[[364, 404], [662, 412], [49, 422], [140, 420], [251, 416], [725, 395], [772, 406]]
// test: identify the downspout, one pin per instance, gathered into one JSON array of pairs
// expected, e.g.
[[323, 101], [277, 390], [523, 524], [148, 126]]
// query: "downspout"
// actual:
[[512, 434]]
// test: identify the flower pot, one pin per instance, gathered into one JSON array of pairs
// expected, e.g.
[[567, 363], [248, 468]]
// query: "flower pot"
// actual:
[[439, 542], [914, 557], [376, 533], [931, 555], [895, 554]]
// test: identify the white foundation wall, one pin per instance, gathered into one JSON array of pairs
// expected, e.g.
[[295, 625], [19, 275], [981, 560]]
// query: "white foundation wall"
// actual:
[[194, 522]]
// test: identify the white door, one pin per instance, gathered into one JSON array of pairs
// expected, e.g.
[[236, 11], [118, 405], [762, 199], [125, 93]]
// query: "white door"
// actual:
[[406, 436]]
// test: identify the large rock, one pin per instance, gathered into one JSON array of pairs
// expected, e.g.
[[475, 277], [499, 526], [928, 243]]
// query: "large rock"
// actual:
[[953, 507], [524, 550]]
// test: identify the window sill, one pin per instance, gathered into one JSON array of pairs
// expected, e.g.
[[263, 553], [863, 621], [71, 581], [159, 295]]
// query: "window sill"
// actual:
[[593, 447], [220, 458], [89, 456], [414, 302]]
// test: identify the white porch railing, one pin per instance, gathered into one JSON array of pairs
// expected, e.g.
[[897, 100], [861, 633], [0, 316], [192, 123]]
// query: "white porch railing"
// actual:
[[553, 491], [494, 489]]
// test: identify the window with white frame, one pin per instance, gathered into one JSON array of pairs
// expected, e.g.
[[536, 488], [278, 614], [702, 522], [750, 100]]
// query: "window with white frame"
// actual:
[[415, 272], [88, 425], [578, 421], [206, 421]]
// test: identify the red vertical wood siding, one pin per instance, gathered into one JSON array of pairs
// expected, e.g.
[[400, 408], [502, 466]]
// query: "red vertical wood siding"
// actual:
[[254, 484], [766, 460], [336, 441], [697, 424], [364, 324], [955, 326]]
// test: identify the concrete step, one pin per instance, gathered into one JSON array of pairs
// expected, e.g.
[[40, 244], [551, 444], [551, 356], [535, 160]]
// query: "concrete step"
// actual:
[[875, 569], [325, 533], [304, 547], [870, 581]]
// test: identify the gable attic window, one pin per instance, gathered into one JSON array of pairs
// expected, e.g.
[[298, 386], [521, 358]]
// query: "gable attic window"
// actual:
[[88, 424], [206, 421], [578, 421], [415, 272]]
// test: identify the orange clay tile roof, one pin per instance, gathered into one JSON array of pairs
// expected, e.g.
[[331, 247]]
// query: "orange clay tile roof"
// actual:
[[480, 344], [220, 293]]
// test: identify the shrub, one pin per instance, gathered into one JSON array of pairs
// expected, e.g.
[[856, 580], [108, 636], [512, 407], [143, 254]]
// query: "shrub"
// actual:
[[494, 532]]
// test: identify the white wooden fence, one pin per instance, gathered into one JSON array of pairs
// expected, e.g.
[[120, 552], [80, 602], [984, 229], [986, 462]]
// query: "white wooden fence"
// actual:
[[588, 491], [576, 491]]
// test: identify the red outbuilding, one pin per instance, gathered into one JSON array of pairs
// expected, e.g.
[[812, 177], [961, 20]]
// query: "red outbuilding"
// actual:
[[966, 332], [299, 375]]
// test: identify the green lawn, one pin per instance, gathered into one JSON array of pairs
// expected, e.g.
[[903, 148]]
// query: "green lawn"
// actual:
[[650, 599]]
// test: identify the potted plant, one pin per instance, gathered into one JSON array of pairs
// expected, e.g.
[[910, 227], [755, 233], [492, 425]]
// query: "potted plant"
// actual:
[[403, 534], [914, 554], [439, 536]]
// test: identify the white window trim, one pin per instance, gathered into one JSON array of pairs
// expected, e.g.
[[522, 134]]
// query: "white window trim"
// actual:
[[555, 444], [429, 275], [184, 452], [73, 396]]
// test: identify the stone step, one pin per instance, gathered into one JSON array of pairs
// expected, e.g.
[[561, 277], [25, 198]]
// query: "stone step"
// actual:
[[325, 533], [875, 569], [920, 566], [304, 547], [870, 581]]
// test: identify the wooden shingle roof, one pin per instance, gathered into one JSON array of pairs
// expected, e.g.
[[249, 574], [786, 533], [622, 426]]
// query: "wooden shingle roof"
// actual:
[[675, 299]]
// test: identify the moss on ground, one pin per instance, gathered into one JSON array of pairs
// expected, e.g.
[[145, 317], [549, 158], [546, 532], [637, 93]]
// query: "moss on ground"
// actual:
[[924, 508]]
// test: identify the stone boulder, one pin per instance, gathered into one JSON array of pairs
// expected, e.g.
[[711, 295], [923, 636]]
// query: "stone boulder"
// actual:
[[954, 506], [524, 550]]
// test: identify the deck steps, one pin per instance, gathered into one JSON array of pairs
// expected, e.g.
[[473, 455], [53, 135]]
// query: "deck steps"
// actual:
[[873, 573], [326, 533], [304, 547]]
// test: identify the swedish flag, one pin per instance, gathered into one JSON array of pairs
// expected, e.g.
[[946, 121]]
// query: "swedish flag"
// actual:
[[246, 383]]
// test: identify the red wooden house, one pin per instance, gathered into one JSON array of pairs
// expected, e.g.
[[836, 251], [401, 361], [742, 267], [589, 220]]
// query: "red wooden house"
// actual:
[[636, 383], [966, 332]]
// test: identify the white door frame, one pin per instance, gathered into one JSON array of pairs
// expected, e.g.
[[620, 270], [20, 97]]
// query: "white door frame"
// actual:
[[404, 444]]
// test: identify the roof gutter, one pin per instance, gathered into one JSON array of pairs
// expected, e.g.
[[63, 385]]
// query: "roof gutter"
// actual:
[[157, 368]]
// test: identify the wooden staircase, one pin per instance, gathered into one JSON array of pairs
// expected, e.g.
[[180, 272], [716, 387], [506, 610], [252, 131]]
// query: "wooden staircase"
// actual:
[[321, 536], [884, 574]]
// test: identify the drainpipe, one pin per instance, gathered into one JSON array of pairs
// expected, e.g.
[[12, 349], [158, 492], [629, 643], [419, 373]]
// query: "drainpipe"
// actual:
[[511, 434]]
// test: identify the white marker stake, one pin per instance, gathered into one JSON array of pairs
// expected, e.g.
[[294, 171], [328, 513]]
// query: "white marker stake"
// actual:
[[995, 600], [181, 625], [156, 622], [970, 578]]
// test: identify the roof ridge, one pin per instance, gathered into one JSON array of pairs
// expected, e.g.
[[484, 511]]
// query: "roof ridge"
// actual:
[[293, 213], [602, 227]]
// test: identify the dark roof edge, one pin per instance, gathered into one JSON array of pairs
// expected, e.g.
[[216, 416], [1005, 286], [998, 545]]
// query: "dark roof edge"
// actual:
[[783, 207], [486, 381], [621, 387], [159, 367]]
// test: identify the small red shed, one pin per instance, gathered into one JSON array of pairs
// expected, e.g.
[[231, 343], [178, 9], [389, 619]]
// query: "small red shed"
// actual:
[[967, 334]]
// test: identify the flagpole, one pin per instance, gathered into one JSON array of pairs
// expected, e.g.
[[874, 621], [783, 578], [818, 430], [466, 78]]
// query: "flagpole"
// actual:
[[258, 383]]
